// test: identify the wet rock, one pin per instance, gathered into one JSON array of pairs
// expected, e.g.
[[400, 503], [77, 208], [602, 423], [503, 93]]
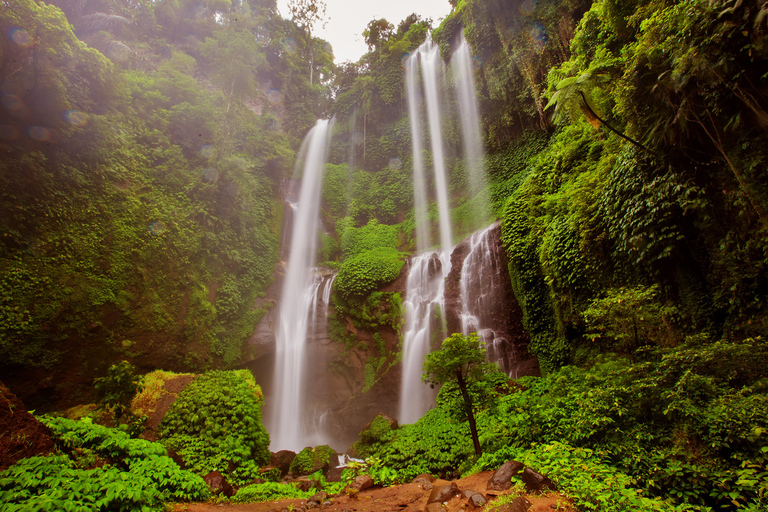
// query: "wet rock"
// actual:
[[282, 460], [501, 479], [517, 505], [218, 484], [477, 500], [334, 475], [536, 481], [444, 493], [425, 480], [361, 483]]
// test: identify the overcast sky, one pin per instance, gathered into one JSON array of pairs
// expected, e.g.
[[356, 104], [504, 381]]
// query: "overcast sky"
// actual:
[[348, 19]]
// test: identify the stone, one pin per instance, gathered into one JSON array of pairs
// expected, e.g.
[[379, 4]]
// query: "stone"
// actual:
[[444, 493], [433, 507], [361, 483], [218, 484], [334, 475], [425, 480], [282, 460], [477, 500], [536, 481], [319, 497], [501, 479]]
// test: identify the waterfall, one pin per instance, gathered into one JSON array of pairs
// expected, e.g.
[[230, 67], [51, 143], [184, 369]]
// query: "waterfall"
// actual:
[[421, 207], [469, 121], [482, 277], [426, 276], [424, 298], [298, 303]]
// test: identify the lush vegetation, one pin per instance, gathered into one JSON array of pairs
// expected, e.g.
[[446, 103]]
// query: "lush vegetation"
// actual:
[[99, 468], [215, 425], [144, 148]]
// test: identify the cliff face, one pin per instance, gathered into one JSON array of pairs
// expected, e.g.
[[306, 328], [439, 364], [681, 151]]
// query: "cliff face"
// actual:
[[479, 298], [347, 386]]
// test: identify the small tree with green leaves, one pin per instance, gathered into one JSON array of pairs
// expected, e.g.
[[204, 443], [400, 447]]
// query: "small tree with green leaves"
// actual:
[[461, 359]]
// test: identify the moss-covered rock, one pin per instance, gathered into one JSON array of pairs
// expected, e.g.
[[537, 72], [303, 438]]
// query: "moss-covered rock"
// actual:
[[309, 460]]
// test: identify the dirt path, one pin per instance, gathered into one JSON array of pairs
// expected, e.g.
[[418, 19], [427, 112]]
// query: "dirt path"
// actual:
[[405, 498]]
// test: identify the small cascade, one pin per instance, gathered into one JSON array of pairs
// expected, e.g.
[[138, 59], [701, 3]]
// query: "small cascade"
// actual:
[[483, 282], [299, 299], [424, 302]]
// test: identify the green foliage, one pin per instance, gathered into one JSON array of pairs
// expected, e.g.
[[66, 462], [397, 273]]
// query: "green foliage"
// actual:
[[365, 272], [118, 388], [375, 468], [215, 422], [435, 444], [310, 460], [269, 491], [140, 476], [355, 241], [631, 318]]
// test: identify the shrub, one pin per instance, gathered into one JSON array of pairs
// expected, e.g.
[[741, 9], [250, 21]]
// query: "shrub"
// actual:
[[365, 272], [269, 491], [140, 476], [217, 421]]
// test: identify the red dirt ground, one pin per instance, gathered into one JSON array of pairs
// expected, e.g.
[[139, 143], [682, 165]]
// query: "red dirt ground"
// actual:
[[406, 498]]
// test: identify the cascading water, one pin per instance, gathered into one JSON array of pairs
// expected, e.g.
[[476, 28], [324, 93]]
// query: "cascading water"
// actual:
[[424, 292], [426, 276], [298, 301], [482, 276], [469, 121]]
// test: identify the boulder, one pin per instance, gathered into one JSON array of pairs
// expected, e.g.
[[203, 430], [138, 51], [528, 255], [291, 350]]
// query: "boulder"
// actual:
[[444, 493], [218, 484], [536, 481], [282, 460], [501, 479], [334, 475], [425, 480], [475, 499], [361, 483], [317, 499], [434, 507]]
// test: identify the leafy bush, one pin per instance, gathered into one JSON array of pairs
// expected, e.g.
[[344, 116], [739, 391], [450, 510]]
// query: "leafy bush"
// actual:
[[372, 236], [435, 444], [309, 460], [269, 491], [140, 476], [365, 272], [217, 421]]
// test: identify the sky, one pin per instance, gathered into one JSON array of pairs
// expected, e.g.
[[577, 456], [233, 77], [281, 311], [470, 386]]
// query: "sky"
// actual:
[[348, 19]]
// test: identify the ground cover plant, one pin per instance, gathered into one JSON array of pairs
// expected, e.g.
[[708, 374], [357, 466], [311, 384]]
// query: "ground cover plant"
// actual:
[[215, 425], [97, 468]]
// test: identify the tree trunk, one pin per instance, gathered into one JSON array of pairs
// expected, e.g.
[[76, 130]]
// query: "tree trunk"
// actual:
[[468, 408]]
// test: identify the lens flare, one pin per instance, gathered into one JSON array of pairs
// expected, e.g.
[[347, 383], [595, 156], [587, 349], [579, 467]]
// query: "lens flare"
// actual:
[[157, 227], [21, 37], [274, 96], [210, 175], [395, 163], [39, 133], [206, 151], [75, 118], [14, 105]]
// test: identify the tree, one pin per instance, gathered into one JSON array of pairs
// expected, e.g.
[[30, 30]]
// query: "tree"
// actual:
[[462, 360], [305, 14]]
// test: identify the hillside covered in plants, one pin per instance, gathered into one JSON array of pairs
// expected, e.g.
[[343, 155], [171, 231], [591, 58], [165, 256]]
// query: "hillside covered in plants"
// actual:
[[148, 153]]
